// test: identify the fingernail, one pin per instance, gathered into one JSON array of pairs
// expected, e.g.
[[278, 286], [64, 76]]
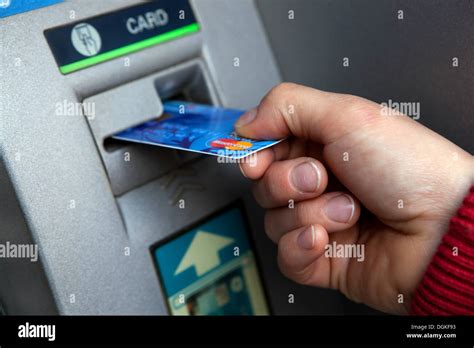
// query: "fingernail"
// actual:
[[307, 238], [340, 208], [242, 171], [305, 177], [246, 118]]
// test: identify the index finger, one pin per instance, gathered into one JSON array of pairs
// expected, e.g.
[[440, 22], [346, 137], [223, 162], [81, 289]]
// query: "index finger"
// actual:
[[308, 113], [256, 166]]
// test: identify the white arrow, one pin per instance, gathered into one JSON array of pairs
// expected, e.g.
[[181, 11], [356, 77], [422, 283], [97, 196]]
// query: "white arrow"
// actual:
[[203, 252]]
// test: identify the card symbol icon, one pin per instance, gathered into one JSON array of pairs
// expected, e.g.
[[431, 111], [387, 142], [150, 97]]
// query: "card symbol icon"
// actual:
[[86, 39]]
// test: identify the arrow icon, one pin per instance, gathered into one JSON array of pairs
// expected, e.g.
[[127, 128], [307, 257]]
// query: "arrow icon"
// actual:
[[203, 252]]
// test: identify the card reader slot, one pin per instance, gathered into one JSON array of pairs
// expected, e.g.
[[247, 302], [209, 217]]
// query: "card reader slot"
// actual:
[[131, 165]]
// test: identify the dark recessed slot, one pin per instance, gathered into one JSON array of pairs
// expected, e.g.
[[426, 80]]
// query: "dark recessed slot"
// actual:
[[187, 84], [111, 145]]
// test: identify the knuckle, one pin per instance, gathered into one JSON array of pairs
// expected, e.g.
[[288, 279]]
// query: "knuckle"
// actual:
[[277, 99], [276, 104], [259, 191], [360, 108], [268, 191], [268, 226], [304, 277], [302, 211], [256, 192], [289, 269], [284, 260], [284, 269], [281, 90]]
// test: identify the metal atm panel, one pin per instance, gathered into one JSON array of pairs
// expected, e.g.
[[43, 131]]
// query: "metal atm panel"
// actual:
[[94, 216]]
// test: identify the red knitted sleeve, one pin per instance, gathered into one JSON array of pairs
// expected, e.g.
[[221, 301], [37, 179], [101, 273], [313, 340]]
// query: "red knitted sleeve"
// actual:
[[447, 287]]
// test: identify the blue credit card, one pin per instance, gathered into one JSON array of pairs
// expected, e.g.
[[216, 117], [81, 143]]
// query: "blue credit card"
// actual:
[[196, 128]]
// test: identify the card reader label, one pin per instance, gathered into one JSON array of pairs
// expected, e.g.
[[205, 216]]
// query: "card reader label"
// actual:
[[98, 39]]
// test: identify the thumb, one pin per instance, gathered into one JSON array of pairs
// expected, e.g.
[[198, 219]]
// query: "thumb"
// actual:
[[290, 109]]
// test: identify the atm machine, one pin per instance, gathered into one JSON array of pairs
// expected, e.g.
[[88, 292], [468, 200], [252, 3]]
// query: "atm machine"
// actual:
[[125, 228]]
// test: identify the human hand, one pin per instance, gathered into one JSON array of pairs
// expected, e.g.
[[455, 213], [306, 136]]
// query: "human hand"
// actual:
[[407, 181]]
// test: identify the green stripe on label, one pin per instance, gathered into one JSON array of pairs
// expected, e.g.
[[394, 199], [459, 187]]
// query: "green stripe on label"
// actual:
[[171, 35]]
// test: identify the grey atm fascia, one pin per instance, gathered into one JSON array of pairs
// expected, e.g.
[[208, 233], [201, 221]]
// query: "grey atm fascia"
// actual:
[[65, 189]]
